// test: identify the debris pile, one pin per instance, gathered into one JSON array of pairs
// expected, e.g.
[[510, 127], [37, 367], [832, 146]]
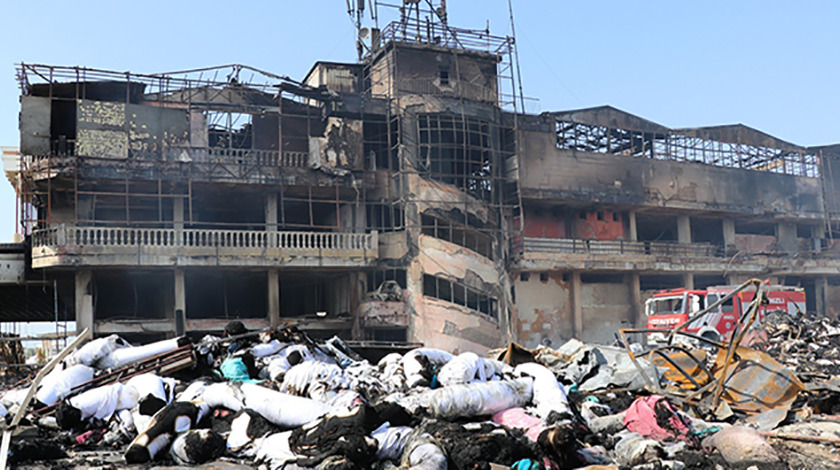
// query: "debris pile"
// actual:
[[277, 399], [11, 350], [808, 345]]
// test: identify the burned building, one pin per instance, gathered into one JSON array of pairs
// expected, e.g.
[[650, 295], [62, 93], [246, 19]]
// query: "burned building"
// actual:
[[403, 198]]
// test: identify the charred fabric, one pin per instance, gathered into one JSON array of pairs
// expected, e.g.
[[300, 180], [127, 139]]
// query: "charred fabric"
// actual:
[[275, 398]]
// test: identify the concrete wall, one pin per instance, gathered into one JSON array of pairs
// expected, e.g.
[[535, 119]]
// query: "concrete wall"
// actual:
[[450, 327], [544, 223], [832, 307], [110, 129], [748, 243], [471, 75], [599, 228], [543, 311], [444, 259], [548, 172], [606, 308], [440, 324]]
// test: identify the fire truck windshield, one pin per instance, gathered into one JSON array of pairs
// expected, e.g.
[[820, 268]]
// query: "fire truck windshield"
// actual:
[[726, 307], [666, 305]]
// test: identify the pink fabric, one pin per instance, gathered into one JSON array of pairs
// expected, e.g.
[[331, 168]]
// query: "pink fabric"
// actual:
[[641, 418], [517, 418]]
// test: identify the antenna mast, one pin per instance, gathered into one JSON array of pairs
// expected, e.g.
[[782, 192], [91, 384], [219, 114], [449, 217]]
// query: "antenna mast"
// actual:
[[515, 55]]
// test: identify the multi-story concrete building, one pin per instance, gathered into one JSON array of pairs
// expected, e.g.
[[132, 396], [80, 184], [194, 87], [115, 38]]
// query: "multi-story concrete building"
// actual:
[[405, 197]]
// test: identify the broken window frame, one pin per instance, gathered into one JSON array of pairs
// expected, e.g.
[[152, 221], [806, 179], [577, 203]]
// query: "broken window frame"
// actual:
[[379, 276], [461, 235], [460, 294], [378, 152], [458, 150], [229, 129], [384, 217]]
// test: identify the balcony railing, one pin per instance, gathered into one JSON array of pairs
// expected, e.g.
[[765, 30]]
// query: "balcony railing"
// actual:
[[250, 156], [213, 155], [619, 247], [107, 242]]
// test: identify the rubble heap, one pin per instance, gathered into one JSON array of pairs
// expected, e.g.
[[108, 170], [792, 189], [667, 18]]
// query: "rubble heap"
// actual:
[[808, 345], [277, 399]]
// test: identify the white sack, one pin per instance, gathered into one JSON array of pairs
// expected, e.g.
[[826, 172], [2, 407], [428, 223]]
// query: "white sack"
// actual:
[[423, 453], [392, 358], [390, 441], [549, 395], [14, 397], [392, 376], [193, 391], [266, 349], [463, 368], [124, 356], [238, 437], [499, 368], [412, 368], [275, 450], [282, 409], [103, 402], [125, 423], [58, 383], [279, 364], [224, 395], [305, 377], [477, 399], [151, 384], [93, 351]]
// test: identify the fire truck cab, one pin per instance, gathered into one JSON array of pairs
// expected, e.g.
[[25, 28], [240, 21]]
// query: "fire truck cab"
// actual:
[[670, 308]]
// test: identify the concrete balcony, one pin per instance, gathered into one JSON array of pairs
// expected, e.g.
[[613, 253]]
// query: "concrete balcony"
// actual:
[[621, 255], [62, 246], [199, 163]]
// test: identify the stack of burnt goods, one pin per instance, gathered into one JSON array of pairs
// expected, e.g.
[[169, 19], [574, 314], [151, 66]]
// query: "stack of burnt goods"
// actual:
[[11, 350], [276, 399]]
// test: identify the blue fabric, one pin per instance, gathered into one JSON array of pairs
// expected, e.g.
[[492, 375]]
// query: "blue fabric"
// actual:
[[235, 370], [526, 464]]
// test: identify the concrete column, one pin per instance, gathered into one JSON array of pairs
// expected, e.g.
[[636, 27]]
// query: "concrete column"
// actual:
[[274, 297], [84, 211], [180, 295], [635, 284], [178, 213], [728, 235], [786, 237], [688, 280], [84, 300], [631, 219], [684, 229], [271, 212], [817, 234], [577, 307], [821, 293]]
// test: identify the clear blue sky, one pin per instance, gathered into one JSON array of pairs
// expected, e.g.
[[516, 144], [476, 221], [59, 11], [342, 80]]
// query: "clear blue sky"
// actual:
[[772, 65]]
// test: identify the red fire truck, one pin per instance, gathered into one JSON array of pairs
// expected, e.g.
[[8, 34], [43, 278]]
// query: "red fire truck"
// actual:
[[669, 308]]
